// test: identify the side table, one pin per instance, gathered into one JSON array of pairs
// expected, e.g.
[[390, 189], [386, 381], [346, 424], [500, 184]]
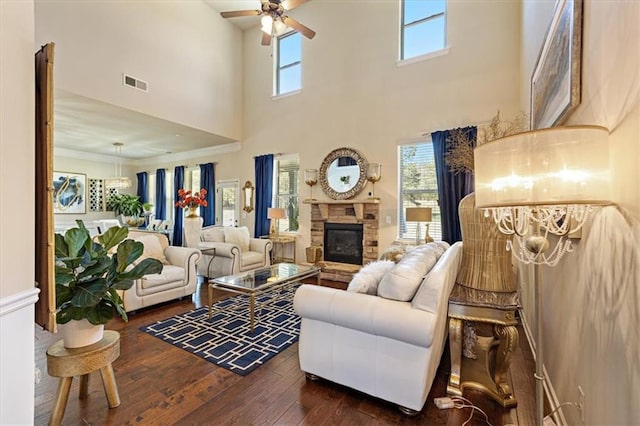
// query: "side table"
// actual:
[[489, 372], [209, 251], [280, 242], [66, 362]]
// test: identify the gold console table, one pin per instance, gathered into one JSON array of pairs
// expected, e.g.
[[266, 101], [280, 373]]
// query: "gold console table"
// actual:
[[485, 296], [488, 372]]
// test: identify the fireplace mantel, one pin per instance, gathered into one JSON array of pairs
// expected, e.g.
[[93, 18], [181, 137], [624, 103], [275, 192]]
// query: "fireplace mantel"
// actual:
[[358, 206]]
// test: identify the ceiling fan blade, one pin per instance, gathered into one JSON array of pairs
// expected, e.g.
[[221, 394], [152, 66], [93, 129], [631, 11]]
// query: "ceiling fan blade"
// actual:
[[236, 13], [290, 4], [290, 22], [266, 38]]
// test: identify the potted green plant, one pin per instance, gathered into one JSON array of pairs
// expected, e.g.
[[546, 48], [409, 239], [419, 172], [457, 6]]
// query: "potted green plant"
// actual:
[[89, 274], [128, 206]]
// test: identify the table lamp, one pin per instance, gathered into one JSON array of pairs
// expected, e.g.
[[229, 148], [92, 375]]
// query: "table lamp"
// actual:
[[539, 183], [275, 214], [419, 214]]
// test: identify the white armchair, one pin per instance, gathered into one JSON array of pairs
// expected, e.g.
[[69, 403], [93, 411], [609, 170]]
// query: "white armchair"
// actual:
[[235, 251], [178, 277]]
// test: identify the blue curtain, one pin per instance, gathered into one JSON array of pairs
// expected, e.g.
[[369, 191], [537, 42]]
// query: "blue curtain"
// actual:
[[178, 214], [161, 208], [143, 178], [451, 187], [264, 189], [207, 181]]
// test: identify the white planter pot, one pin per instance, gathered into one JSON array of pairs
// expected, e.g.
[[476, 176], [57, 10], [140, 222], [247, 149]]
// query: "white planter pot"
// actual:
[[76, 334]]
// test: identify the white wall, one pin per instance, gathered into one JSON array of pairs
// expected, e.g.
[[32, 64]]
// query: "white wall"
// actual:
[[355, 95], [17, 292], [93, 170], [189, 56], [591, 308]]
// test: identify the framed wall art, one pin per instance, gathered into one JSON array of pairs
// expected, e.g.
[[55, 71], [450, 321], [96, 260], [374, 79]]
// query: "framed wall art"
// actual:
[[69, 193], [555, 83]]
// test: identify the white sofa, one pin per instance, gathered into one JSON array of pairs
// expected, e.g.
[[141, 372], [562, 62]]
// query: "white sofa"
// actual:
[[386, 348], [235, 251], [177, 279]]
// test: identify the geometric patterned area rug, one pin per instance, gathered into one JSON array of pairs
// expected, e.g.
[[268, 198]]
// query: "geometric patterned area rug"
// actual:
[[225, 339]]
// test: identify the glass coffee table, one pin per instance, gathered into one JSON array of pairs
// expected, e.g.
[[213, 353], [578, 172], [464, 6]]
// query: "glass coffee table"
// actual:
[[260, 281]]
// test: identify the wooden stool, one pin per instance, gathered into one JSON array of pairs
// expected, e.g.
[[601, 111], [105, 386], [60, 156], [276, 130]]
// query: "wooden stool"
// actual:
[[65, 363]]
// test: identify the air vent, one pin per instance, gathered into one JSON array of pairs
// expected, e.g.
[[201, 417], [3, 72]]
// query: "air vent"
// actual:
[[136, 83]]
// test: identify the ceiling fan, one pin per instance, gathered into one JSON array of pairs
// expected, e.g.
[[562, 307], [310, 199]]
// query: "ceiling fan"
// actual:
[[274, 20]]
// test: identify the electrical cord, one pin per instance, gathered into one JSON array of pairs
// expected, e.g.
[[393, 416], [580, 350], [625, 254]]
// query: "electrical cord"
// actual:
[[460, 402], [573, 404]]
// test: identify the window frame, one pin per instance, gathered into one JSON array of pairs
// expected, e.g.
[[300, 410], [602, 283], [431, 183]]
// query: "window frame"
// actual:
[[425, 19], [277, 195], [407, 232], [278, 68]]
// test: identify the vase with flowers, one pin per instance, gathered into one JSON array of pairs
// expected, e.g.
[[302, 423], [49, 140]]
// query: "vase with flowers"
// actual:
[[192, 222], [192, 201]]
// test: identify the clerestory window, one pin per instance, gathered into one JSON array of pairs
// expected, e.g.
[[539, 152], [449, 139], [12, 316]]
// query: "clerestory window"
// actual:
[[288, 63], [423, 28]]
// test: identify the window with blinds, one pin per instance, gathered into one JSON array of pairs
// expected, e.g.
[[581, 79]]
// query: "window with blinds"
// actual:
[[286, 190], [418, 188]]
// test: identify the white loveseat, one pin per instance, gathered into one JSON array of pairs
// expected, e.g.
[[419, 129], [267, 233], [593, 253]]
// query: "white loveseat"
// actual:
[[235, 251], [177, 279], [386, 348]]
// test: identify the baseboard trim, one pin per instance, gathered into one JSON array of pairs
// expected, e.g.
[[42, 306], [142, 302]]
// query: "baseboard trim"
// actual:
[[549, 391], [18, 301]]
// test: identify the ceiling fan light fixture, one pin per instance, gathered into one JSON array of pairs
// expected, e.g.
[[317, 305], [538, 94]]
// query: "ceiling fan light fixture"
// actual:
[[280, 27], [267, 23]]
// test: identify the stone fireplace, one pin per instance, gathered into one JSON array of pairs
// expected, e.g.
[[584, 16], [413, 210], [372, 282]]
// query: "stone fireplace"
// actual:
[[347, 220]]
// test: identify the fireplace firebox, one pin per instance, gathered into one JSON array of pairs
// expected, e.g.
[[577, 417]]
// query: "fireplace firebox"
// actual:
[[343, 243]]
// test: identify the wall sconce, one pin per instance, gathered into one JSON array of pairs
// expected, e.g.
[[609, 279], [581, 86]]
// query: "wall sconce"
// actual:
[[275, 214], [374, 173], [311, 178], [419, 214], [539, 183], [247, 192]]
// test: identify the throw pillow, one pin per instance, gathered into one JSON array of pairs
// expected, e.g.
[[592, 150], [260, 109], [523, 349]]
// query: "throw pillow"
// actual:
[[239, 236], [213, 235], [367, 279], [152, 249]]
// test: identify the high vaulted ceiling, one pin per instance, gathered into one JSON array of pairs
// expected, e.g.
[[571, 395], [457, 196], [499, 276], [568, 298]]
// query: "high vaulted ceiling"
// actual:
[[86, 126]]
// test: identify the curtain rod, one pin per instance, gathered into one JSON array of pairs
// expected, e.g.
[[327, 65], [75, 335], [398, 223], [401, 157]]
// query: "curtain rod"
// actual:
[[184, 165], [478, 125], [277, 154]]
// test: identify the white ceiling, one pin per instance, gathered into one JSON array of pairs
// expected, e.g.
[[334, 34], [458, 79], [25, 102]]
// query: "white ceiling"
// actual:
[[92, 127], [243, 22]]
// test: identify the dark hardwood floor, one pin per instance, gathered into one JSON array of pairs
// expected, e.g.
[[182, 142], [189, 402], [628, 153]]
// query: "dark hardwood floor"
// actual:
[[160, 384]]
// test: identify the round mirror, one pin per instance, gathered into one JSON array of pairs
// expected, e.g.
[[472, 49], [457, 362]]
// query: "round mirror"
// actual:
[[343, 173]]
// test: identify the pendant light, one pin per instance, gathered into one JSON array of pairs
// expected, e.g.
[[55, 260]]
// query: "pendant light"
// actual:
[[118, 182]]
